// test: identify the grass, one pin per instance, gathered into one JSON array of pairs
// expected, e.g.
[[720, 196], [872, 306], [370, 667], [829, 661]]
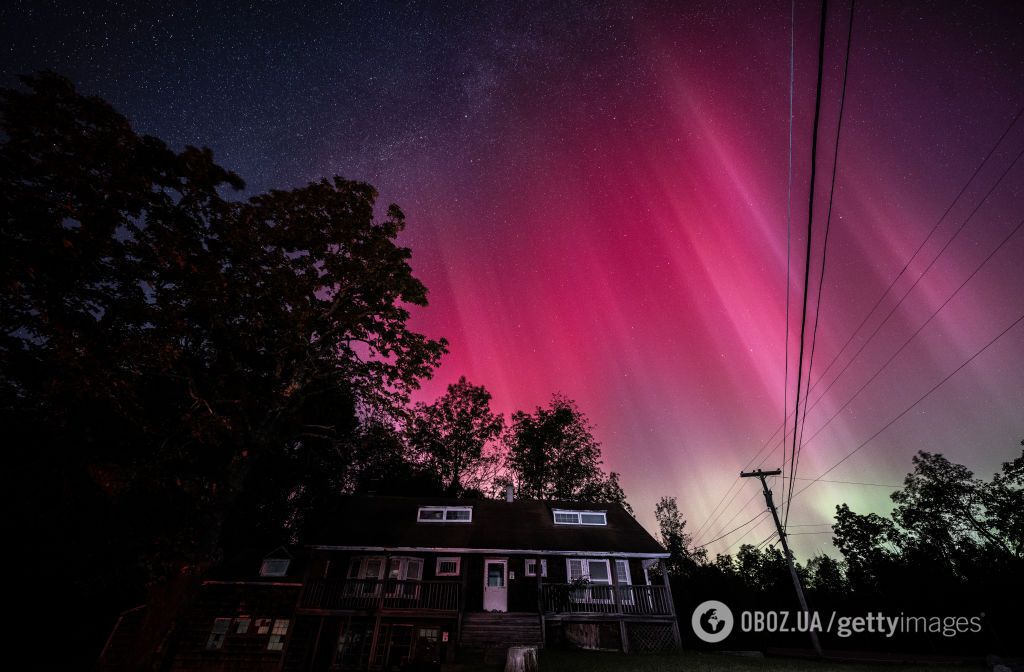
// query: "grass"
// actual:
[[553, 660]]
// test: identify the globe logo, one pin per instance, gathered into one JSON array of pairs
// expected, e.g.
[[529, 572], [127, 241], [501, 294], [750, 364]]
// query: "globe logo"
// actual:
[[712, 621]]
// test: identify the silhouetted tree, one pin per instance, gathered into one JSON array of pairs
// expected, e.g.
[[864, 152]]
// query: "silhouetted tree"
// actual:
[[824, 577], [675, 539], [952, 545], [552, 454], [762, 569], [867, 545], [165, 350], [450, 435]]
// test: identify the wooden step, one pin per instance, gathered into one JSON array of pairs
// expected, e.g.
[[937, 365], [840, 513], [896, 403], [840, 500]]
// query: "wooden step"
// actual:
[[485, 630]]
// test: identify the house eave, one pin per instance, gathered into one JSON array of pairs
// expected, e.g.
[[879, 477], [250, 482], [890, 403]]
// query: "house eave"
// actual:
[[487, 551]]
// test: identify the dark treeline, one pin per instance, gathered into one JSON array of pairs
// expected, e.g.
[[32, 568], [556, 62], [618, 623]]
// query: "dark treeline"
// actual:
[[952, 547], [185, 373]]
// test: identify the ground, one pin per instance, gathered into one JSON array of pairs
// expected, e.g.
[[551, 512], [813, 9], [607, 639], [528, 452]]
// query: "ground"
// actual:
[[588, 661]]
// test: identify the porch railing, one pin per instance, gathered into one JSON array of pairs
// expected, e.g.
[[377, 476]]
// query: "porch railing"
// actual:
[[371, 594], [568, 598]]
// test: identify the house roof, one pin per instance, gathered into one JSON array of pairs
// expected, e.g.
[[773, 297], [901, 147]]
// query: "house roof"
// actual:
[[390, 523]]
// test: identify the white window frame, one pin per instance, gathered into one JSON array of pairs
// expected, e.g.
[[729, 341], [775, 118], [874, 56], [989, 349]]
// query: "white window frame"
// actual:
[[454, 558], [647, 564], [405, 572], [589, 594], [403, 564], [358, 578], [445, 511], [277, 634], [358, 565], [530, 567], [629, 575], [625, 588], [578, 517], [275, 567]]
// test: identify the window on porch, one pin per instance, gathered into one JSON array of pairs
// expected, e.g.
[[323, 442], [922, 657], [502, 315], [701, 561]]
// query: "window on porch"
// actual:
[[531, 568]]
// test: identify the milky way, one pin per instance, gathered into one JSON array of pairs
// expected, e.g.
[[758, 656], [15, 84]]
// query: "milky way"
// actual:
[[597, 199]]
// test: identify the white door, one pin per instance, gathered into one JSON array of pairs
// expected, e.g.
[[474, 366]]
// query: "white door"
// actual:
[[495, 584]]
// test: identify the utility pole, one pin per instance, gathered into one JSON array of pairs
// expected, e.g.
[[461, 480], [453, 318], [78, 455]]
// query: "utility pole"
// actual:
[[785, 547]]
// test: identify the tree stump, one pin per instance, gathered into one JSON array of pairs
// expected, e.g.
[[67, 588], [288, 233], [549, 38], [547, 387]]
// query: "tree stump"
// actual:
[[521, 659]]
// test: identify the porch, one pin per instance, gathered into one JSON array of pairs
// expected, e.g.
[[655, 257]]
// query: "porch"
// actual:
[[611, 600], [381, 596]]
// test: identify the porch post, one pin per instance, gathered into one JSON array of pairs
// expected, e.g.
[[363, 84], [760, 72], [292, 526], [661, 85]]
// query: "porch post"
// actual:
[[375, 642], [538, 569], [671, 604], [381, 589], [464, 568]]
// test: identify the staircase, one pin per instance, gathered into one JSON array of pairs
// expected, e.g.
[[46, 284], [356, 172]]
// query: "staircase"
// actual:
[[491, 633]]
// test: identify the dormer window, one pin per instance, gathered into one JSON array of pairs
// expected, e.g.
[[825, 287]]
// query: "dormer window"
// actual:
[[275, 567], [445, 514], [567, 517]]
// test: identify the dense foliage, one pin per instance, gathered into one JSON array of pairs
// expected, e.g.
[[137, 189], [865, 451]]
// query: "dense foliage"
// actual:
[[953, 546], [452, 435], [185, 373], [552, 454]]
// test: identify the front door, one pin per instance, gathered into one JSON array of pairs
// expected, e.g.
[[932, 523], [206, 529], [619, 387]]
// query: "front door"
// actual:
[[496, 584]]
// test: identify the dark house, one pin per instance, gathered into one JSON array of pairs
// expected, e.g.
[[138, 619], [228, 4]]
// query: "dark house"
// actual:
[[400, 581], [414, 583]]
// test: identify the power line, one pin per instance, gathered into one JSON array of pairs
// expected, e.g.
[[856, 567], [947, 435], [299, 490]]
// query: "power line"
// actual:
[[718, 510], [810, 227], [735, 529], [744, 505], [714, 517], [877, 485], [789, 220], [923, 273], [921, 328], [824, 251], [738, 511], [767, 539], [923, 325], [917, 251], [739, 540], [919, 400], [736, 494], [769, 441], [930, 318]]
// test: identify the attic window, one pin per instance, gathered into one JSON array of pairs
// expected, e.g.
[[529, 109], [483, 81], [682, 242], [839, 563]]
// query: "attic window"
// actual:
[[566, 517], [275, 567], [445, 514]]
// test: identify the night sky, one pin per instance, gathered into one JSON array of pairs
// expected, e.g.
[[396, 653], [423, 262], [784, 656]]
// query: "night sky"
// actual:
[[597, 201]]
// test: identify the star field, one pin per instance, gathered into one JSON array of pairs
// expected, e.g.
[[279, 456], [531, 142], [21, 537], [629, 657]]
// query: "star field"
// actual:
[[596, 195]]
